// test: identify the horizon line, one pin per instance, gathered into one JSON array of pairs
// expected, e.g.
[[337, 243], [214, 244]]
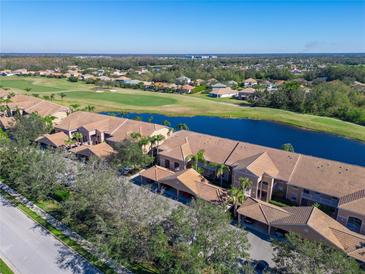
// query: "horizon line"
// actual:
[[198, 54]]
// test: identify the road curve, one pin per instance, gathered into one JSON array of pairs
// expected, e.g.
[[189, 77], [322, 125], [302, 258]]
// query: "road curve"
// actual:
[[29, 248]]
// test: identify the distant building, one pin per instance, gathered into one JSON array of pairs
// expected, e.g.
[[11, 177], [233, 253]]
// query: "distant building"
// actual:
[[183, 80], [250, 82], [185, 89], [226, 92], [217, 86], [246, 93]]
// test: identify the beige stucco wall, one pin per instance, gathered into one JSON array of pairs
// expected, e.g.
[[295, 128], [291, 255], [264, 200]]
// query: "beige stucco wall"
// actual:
[[162, 159], [291, 191]]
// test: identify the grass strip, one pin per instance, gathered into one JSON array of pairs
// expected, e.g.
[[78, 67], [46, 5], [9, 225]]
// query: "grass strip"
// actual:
[[4, 269]]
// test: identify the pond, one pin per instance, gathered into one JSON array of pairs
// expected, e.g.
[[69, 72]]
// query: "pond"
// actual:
[[270, 134]]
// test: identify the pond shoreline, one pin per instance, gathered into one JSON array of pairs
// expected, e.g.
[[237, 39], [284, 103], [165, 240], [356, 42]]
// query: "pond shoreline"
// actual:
[[294, 125], [268, 133]]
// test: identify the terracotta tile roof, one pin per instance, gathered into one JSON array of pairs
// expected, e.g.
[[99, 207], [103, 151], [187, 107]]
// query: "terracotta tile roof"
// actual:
[[101, 150], [357, 206], [80, 118], [284, 161], [329, 177], [118, 128], [223, 91], [216, 149], [130, 126], [3, 93], [310, 222], [250, 80], [192, 182], [6, 122], [261, 211], [56, 139], [32, 104], [156, 173], [188, 181], [259, 165], [247, 90], [282, 165], [187, 87]]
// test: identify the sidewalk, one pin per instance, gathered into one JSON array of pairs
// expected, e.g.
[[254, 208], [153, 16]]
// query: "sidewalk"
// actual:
[[64, 229]]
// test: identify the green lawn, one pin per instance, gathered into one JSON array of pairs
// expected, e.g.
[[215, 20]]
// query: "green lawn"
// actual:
[[133, 100], [23, 84], [4, 269], [123, 98]]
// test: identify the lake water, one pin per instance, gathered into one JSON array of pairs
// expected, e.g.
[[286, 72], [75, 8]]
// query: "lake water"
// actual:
[[271, 134]]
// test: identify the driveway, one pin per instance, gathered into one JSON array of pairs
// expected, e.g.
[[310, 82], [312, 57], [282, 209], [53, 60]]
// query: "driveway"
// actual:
[[28, 248]]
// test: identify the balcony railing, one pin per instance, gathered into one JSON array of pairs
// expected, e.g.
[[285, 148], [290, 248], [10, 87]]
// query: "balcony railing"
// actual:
[[320, 199]]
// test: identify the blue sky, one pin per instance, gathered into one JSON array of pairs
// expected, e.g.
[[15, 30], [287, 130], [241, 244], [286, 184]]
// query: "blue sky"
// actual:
[[179, 26]]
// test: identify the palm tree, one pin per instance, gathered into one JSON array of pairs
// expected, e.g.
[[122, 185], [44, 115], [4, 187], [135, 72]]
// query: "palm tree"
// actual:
[[220, 169], [166, 123], [62, 95], [136, 135], [4, 107], [150, 119], [48, 120], [195, 159], [122, 113], [74, 107], [77, 136], [236, 197], [245, 184], [182, 126], [52, 97], [70, 142], [144, 141], [89, 108], [288, 147], [155, 140]]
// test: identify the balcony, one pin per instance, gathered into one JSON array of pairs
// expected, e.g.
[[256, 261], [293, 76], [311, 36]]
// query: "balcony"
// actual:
[[318, 198]]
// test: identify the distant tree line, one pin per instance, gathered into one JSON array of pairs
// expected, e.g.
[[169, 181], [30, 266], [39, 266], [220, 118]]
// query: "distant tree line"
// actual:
[[332, 99]]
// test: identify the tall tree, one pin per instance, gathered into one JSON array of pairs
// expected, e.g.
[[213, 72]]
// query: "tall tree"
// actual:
[[89, 108], [130, 155], [62, 95], [220, 170], [195, 159], [236, 197], [288, 147], [27, 128], [182, 126], [75, 107], [296, 255]]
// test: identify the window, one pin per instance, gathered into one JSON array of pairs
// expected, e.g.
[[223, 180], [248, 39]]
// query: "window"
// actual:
[[306, 191], [293, 197], [176, 165], [167, 163], [354, 224], [265, 184]]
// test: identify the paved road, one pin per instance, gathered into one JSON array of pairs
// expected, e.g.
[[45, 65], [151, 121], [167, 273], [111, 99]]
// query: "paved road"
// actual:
[[29, 248]]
